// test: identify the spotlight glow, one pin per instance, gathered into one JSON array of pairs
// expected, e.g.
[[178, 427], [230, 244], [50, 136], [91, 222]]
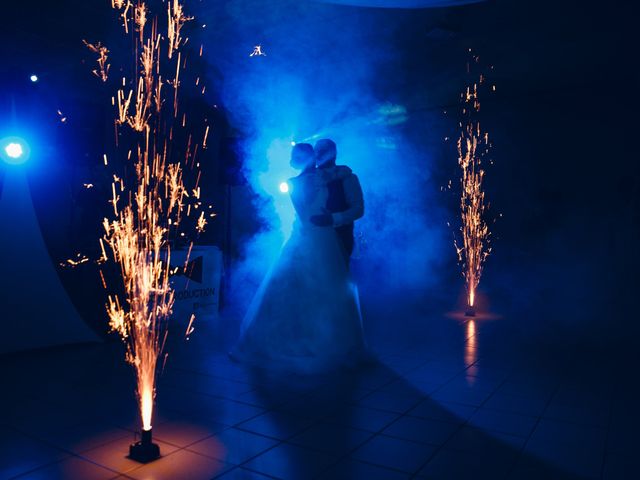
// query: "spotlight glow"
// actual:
[[284, 187], [33, 78], [293, 144], [14, 150]]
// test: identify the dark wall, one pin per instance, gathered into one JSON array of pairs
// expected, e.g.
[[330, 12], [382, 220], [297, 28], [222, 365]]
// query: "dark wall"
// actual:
[[562, 121]]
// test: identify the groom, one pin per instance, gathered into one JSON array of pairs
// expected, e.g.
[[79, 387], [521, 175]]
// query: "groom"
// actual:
[[345, 203]]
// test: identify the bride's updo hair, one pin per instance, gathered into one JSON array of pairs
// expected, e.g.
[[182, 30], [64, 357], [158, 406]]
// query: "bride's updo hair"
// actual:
[[302, 156]]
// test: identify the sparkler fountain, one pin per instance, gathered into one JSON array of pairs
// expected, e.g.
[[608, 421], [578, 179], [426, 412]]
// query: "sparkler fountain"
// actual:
[[140, 236], [473, 145]]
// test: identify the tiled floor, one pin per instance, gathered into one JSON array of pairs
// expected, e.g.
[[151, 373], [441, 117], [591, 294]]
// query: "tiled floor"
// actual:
[[442, 404]]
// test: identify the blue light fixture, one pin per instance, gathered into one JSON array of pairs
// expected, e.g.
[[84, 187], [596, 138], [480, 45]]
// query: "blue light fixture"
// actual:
[[14, 150]]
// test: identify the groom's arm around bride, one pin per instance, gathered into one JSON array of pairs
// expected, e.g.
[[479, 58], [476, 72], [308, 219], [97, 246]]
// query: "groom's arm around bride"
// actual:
[[353, 197], [345, 203]]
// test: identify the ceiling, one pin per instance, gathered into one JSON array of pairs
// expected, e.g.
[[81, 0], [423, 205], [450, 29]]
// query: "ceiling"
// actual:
[[535, 45]]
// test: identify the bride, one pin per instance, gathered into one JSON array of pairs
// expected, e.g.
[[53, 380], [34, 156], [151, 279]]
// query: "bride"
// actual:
[[305, 316]]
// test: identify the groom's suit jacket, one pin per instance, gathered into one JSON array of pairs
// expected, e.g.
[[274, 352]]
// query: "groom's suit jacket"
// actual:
[[345, 203]]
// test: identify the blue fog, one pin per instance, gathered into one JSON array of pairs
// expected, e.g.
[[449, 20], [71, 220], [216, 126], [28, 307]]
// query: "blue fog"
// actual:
[[310, 85]]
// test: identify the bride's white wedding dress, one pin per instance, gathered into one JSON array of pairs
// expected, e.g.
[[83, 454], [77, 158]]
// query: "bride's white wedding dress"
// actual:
[[305, 316]]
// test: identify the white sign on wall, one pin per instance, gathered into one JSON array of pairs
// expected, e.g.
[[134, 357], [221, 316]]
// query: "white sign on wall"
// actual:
[[196, 284]]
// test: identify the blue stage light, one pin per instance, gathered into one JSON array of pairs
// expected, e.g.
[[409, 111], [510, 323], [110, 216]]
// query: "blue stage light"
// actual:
[[293, 144], [284, 187], [14, 151], [33, 78]]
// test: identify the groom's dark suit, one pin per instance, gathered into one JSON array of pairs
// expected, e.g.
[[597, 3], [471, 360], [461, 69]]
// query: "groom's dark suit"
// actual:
[[345, 203]]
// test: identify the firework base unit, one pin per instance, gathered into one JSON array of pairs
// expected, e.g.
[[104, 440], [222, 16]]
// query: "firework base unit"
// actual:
[[145, 450], [196, 282]]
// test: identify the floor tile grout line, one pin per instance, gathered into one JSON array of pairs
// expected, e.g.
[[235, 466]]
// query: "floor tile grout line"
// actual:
[[535, 426], [69, 453], [521, 450], [401, 376], [81, 455], [374, 434], [350, 452], [357, 460], [240, 467], [60, 460], [460, 427]]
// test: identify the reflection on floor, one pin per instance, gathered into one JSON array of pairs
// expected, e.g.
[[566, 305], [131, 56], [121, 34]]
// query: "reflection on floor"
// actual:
[[459, 400]]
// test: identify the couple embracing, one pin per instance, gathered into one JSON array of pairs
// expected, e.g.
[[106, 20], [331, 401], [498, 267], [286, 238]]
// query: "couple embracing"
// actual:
[[305, 316]]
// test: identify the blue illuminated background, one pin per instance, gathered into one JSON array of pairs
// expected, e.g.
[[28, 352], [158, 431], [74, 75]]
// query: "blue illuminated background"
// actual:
[[309, 84], [384, 84]]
